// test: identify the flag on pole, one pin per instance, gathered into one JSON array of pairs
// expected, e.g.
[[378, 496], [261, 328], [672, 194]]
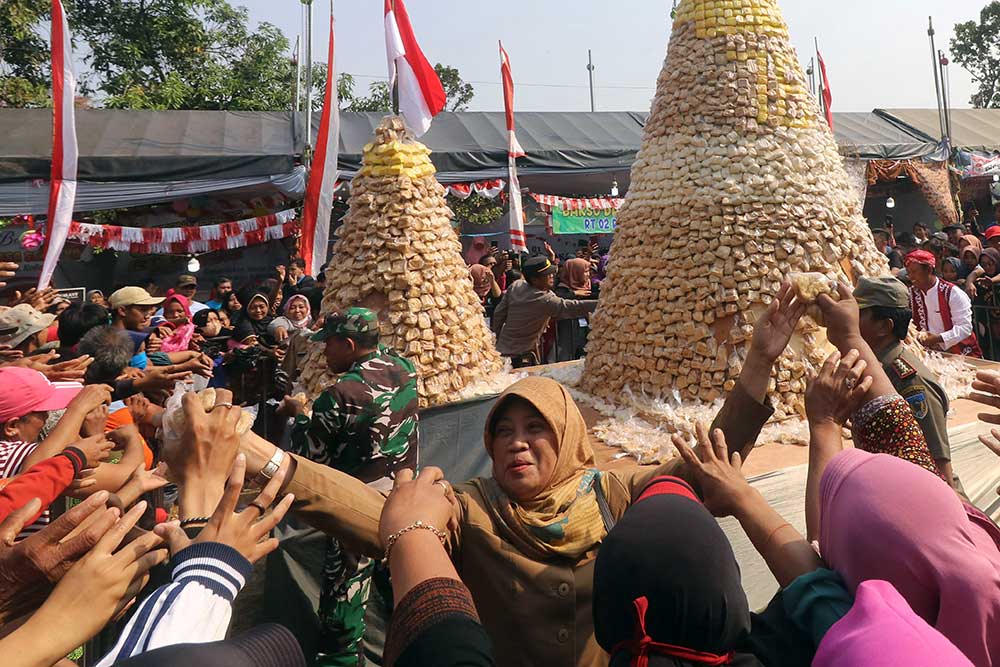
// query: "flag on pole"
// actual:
[[62, 183], [827, 96], [518, 240], [322, 173], [421, 95]]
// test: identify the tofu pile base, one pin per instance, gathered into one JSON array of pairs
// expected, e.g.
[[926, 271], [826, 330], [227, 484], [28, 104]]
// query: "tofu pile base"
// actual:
[[398, 255], [738, 184]]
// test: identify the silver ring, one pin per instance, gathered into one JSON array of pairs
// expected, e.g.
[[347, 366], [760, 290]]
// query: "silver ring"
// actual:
[[851, 383], [221, 405], [444, 484]]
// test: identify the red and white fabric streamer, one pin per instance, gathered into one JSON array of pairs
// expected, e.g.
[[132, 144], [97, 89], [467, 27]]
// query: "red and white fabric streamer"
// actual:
[[62, 184], [549, 202], [186, 240], [518, 241], [488, 189], [421, 95], [322, 174]]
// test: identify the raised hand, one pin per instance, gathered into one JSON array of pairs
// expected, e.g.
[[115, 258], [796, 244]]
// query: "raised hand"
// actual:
[[108, 577], [841, 316], [95, 421], [74, 370], [9, 354], [29, 568], [247, 531], [95, 448], [838, 390], [142, 481], [90, 398], [987, 391], [429, 498], [773, 331], [720, 477], [7, 271], [160, 378]]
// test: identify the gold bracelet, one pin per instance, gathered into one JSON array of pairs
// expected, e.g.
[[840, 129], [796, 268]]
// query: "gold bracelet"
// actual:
[[390, 541]]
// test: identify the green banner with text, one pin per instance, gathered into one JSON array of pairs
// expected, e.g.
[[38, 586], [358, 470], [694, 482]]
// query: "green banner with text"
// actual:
[[584, 221]]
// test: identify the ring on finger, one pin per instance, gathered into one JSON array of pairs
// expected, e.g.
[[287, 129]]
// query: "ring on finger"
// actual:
[[257, 506], [444, 485], [222, 405], [851, 383]]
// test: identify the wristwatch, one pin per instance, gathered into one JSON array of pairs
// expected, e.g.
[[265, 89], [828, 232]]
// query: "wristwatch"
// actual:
[[272, 466]]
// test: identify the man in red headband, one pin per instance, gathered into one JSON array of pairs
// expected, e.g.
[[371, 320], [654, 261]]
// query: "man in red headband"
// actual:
[[941, 311]]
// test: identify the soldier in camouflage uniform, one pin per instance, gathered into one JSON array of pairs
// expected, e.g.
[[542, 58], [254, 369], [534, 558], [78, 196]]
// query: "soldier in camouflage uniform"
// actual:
[[365, 425]]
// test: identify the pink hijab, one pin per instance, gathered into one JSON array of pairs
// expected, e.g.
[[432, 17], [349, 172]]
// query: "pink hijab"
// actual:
[[884, 518], [180, 340], [482, 281], [476, 251], [881, 629]]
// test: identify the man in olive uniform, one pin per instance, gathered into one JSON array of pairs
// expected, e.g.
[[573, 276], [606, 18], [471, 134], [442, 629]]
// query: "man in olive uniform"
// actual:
[[885, 320], [365, 425]]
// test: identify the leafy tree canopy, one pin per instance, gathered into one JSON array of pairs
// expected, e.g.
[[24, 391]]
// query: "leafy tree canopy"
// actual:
[[976, 47]]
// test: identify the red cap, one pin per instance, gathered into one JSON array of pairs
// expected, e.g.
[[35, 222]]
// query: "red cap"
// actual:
[[921, 257], [25, 390], [992, 232]]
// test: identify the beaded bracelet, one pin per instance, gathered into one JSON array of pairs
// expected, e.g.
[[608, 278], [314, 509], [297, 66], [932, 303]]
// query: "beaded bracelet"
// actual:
[[390, 542]]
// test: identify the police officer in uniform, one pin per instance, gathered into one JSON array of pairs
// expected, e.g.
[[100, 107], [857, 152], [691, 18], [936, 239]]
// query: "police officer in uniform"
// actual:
[[885, 320]]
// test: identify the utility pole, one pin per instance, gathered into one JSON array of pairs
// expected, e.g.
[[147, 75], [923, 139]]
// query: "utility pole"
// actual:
[[945, 92], [394, 84], [298, 74], [309, 69], [819, 80], [590, 72], [811, 73], [937, 83]]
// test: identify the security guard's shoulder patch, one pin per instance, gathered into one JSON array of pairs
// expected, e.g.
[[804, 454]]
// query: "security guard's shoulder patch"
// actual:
[[903, 369], [917, 398]]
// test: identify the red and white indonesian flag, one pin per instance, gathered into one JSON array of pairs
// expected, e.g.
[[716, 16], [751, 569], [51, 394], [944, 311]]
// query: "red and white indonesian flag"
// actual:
[[318, 206], [827, 94], [62, 186], [421, 96], [518, 240]]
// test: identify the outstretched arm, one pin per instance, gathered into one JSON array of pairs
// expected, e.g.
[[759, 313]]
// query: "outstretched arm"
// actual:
[[727, 493]]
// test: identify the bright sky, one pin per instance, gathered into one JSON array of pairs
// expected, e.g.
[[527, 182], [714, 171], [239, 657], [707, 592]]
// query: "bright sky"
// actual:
[[877, 51]]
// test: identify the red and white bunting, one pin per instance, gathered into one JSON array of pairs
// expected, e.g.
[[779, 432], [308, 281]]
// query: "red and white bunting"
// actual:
[[548, 202], [421, 95], [518, 241], [488, 189], [322, 174], [186, 240], [62, 184]]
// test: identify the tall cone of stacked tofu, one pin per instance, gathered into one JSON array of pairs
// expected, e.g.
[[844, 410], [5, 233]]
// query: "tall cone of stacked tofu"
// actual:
[[398, 255], [738, 184]]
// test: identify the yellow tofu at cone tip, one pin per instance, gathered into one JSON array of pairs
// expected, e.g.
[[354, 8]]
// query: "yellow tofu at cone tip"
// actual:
[[398, 255]]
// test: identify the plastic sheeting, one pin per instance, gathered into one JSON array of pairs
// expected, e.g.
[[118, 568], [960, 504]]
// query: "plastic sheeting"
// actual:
[[32, 197]]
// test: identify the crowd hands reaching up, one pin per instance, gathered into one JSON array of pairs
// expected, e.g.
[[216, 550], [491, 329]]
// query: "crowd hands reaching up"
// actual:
[[166, 573]]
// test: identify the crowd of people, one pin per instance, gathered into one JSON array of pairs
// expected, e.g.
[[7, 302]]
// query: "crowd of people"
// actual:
[[133, 509], [955, 295], [538, 308]]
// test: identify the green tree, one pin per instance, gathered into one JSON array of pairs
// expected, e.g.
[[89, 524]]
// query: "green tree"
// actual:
[[24, 54], [182, 54], [976, 47], [379, 98]]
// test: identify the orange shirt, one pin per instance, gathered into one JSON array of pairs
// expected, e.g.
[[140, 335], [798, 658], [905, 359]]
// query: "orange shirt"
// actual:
[[123, 417]]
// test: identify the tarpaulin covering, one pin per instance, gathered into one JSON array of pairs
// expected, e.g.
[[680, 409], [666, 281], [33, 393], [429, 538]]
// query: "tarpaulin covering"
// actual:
[[870, 136], [153, 145], [32, 197], [971, 129]]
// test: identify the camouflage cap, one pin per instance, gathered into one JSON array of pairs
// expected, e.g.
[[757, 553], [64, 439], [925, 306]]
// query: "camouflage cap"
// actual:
[[347, 323], [887, 292]]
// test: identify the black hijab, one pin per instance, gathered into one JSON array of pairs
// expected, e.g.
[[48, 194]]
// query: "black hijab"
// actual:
[[246, 326], [669, 552]]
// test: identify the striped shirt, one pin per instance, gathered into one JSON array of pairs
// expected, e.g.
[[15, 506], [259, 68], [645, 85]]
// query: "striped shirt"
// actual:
[[12, 456]]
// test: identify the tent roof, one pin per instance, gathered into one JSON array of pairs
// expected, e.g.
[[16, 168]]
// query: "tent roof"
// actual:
[[868, 135], [469, 146], [971, 129], [153, 145]]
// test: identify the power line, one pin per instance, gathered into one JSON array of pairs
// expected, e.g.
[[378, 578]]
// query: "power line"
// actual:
[[519, 84]]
